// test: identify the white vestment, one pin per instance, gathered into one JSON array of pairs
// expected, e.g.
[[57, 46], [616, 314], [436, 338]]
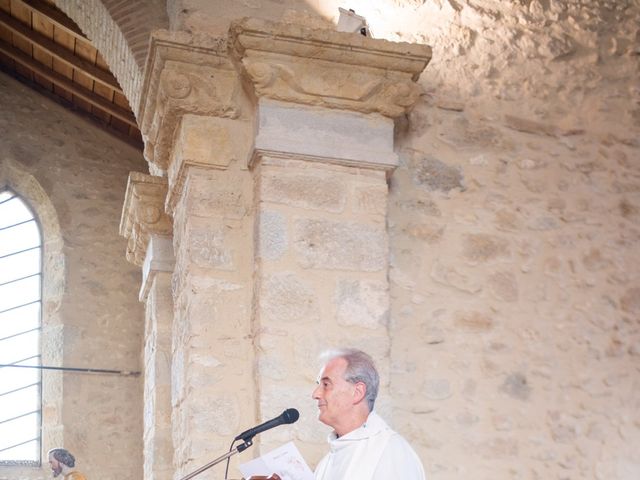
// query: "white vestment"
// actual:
[[371, 452]]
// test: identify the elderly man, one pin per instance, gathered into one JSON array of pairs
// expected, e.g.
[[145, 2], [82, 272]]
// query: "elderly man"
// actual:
[[362, 445], [62, 462]]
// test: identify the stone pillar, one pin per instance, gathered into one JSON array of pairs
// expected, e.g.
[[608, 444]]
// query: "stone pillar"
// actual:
[[148, 229], [322, 151], [276, 157], [156, 293], [197, 126]]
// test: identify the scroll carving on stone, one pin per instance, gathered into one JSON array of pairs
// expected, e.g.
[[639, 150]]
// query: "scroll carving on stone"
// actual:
[[279, 80], [176, 85], [328, 68], [184, 77], [143, 214]]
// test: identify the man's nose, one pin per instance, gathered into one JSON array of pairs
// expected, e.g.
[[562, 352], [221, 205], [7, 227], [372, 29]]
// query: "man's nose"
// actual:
[[315, 394]]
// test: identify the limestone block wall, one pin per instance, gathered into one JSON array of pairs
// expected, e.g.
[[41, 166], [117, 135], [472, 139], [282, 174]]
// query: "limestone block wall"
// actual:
[[99, 321], [513, 232], [514, 312], [322, 282], [514, 241], [513, 237], [214, 16], [513, 223], [158, 446], [213, 383]]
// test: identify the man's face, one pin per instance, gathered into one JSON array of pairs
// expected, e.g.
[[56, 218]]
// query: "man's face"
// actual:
[[335, 396], [56, 466]]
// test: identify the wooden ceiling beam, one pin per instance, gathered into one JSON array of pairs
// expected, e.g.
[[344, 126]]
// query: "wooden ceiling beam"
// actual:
[[63, 82], [59, 52], [55, 16]]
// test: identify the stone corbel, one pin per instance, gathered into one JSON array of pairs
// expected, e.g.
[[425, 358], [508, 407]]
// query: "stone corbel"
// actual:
[[184, 76], [143, 214], [328, 68]]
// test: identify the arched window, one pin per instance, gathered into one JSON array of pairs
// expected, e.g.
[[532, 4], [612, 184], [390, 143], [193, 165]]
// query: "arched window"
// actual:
[[20, 328]]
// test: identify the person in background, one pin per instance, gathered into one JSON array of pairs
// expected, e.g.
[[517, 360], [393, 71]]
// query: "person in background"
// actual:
[[362, 446], [63, 463]]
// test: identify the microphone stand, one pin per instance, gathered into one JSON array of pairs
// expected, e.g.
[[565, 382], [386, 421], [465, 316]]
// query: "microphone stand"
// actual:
[[240, 448]]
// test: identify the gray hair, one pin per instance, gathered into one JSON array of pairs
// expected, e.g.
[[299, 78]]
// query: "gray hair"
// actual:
[[63, 456], [360, 368]]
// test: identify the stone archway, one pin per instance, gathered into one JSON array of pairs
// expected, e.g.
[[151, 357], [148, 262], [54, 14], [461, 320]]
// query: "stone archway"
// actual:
[[120, 31]]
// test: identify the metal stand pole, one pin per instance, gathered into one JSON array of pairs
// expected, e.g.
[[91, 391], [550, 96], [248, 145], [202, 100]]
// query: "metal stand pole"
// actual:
[[238, 449]]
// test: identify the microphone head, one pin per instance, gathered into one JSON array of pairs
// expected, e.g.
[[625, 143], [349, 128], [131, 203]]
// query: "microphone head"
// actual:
[[290, 415]]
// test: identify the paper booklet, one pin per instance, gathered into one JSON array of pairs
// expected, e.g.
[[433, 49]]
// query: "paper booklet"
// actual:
[[286, 461]]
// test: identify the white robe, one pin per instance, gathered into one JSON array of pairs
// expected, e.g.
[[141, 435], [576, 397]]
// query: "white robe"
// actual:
[[371, 452]]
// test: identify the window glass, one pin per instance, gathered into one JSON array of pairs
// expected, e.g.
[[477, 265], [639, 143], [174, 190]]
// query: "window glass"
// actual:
[[20, 325]]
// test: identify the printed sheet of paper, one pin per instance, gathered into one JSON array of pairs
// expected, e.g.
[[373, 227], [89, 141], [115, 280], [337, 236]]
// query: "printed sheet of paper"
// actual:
[[286, 461]]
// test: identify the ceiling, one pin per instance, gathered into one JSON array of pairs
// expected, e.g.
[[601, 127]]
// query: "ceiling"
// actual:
[[45, 49]]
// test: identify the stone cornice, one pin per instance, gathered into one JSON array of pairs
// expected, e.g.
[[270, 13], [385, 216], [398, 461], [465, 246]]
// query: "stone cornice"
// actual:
[[328, 68], [143, 214], [184, 74]]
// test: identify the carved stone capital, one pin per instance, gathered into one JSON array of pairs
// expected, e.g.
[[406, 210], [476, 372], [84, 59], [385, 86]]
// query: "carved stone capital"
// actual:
[[328, 68], [184, 75], [143, 214]]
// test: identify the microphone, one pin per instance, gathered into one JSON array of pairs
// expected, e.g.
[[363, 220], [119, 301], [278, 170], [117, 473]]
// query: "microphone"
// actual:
[[290, 415]]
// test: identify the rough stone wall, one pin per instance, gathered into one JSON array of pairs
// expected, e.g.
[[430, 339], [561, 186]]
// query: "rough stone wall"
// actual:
[[158, 447], [322, 274], [213, 16], [213, 386], [513, 223], [83, 171], [514, 240], [514, 227]]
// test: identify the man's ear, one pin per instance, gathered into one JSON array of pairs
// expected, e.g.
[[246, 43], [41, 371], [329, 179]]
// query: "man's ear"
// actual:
[[359, 392]]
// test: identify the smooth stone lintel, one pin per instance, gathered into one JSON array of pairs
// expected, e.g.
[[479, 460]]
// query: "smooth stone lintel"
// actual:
[[323, 134]]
